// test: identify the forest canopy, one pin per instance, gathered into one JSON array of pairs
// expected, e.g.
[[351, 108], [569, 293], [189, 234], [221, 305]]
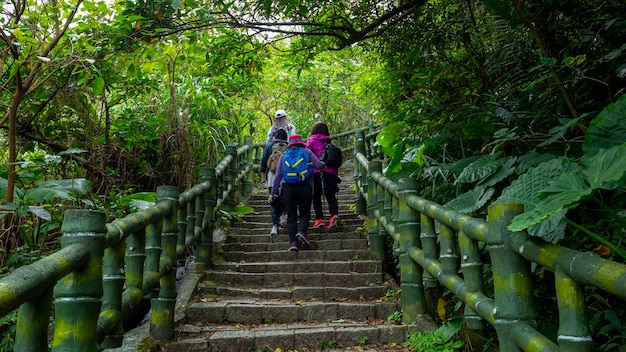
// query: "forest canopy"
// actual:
[[133, 94]]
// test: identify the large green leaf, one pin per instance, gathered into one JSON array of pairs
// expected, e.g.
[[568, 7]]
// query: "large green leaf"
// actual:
[[525, 190], [480, 169], [76, 186], [552, 229], [457, 167], [40, 212], [3, 189], [608, 129], [46, 194], [567, 189], [542, 217], [471, 201], [504, 171], [605, 167], [532, 159]]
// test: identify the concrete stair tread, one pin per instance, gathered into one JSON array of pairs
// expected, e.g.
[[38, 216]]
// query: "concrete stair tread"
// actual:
[[256, 311], [370, 293], [303, 255], [310, 279], [287, 266], [326, 336]]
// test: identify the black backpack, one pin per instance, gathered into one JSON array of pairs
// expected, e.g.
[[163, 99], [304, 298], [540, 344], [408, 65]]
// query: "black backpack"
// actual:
[[331, 155]]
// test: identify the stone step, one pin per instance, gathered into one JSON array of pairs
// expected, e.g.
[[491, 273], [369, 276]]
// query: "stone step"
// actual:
[[275, 280], [303, 255], [266, 217], [265, 237], [278, 311], [210, 290], [360, 266], [251, 228], [279, 243], [287, 337]]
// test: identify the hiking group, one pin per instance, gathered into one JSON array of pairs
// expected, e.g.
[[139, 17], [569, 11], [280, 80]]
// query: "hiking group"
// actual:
[[297, 173]]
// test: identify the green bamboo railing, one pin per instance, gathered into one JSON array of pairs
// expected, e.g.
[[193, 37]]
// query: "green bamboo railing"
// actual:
[[437, 243], [103, 271]]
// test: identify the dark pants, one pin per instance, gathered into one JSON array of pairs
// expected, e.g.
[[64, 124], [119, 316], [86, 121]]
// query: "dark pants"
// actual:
[[276, 210], [296, 199], [329, 190]]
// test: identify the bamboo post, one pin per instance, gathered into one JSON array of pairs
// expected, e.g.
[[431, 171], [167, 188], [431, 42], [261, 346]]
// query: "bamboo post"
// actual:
[[369, 153], [428, 238], [199, 220], [33, 318], [389, 212], [377, 241], [246, 183], [113, 286], [221, 182], [574, 333], [204, 256], [448, 251], [153, 255], [413, 301], [163, 307], [360, 178], [191, 227], [472, 269], [513, 291], [78, 295], [135, 258], [231, 179], [184, 223]]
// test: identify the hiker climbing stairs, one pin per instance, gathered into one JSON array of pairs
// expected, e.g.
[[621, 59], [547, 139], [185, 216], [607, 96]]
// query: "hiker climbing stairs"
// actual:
[[261, 297]]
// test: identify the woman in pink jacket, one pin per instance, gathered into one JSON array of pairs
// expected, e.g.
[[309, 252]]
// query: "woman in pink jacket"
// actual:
[[324, 183]]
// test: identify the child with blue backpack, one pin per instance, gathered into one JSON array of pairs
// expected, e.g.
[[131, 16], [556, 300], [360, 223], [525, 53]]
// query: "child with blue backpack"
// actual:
[[294, 182]]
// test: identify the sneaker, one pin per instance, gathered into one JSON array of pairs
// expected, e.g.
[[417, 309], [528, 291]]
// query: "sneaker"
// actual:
[[274, 231], [333, 223], [305, 240], [318, 223], [293, 246], [283, 220]]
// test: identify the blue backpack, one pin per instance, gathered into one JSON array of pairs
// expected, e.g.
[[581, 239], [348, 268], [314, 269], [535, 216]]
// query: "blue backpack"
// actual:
[[296, 165]]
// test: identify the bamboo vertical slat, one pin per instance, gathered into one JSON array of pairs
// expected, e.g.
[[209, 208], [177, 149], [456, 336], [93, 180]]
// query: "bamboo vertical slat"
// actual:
[[413, 300], [162, 317], [513, 292], [377, 240], [77, 297], [204, 254]]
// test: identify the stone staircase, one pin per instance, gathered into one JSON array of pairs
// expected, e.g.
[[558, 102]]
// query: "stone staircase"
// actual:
[[261, 297]]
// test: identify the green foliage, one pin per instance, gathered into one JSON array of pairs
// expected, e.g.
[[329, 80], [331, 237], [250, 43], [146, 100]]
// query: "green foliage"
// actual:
[[605, 320], [327, 343], [553, 187], [395, 317], [438, 340], [8, 324], [363, 340], [471, 201], [39, 205]]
